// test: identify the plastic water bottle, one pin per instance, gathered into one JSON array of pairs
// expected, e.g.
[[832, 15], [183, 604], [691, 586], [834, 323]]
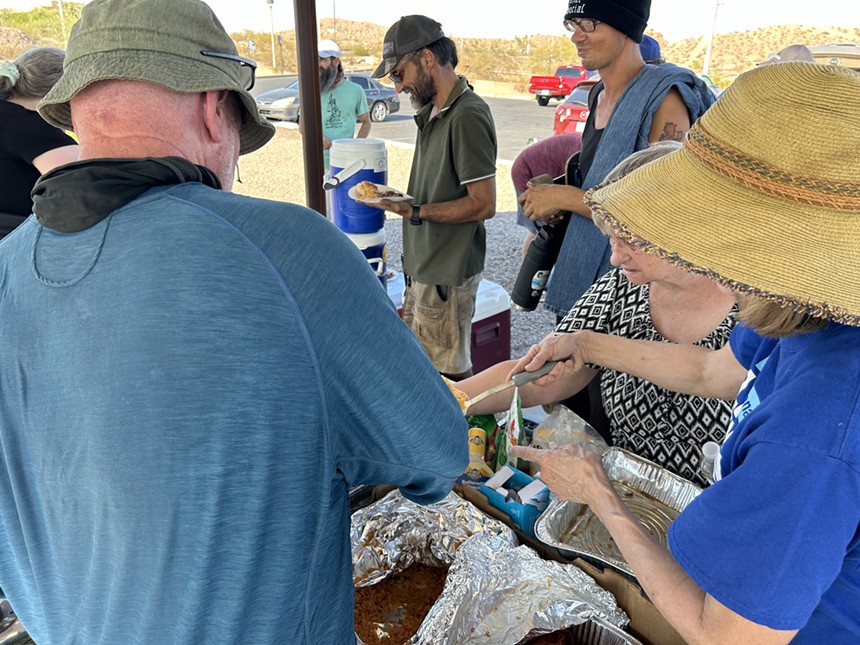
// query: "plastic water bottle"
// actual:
[[710, 452]]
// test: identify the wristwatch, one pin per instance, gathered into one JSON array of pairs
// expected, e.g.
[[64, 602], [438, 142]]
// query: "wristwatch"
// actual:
[[415, 220]]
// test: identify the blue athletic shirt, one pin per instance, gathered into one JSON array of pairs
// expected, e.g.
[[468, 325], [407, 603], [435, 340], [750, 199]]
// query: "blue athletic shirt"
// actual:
[[189, 388], [777, 539]]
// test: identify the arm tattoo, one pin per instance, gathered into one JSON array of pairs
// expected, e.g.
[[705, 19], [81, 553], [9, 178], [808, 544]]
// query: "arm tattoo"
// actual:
[[671, 132]]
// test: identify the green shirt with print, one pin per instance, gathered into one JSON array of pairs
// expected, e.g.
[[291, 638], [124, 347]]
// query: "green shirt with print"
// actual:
[[341, 106], [454, 148]]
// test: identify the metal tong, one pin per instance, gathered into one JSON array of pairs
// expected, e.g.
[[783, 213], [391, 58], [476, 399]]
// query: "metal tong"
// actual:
[[518, 380]]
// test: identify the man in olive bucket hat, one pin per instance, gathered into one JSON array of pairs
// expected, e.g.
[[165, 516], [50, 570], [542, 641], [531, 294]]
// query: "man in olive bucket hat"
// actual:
[[181, 417], [771, 551]]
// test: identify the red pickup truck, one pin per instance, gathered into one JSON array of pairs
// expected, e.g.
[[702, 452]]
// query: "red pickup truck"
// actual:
[[559, 86]]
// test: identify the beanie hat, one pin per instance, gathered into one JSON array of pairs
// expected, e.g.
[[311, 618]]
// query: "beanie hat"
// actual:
[[405, 36], [630, 17], [160, 42]]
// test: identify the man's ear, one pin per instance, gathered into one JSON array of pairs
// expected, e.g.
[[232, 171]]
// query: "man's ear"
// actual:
[[427, 58], [218, 113]]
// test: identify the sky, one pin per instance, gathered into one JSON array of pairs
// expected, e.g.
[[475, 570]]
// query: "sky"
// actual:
[[675, 19]]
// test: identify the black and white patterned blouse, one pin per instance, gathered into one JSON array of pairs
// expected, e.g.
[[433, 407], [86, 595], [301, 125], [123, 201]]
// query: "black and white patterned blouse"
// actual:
[[658, 424]]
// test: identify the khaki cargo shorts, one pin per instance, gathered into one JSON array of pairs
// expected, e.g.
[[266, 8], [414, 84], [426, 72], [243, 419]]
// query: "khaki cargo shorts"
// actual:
[[441, 317]]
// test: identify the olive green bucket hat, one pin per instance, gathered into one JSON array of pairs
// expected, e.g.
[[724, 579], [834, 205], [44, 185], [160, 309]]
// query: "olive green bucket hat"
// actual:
[[157, 41]]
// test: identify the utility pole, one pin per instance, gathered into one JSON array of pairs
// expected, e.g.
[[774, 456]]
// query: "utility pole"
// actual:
[[334, 16], [272, 19], [62, 22], [710, 46]]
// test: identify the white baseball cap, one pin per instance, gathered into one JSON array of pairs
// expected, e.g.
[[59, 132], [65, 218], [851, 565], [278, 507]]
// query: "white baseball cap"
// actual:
[[328, 48]]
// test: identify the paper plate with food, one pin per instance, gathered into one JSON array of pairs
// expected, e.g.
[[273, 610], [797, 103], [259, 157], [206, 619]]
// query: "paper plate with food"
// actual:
[[370, 193]]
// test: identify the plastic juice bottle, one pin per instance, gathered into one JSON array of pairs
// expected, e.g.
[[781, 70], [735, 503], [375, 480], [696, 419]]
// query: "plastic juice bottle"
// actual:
[[477, 471]]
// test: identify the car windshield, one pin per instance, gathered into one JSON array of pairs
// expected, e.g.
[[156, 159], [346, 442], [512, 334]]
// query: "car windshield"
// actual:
[[579, 96], [566, 71]]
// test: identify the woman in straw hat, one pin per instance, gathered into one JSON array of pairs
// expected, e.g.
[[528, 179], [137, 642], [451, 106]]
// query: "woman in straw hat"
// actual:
[[646, 298], [771, 551]]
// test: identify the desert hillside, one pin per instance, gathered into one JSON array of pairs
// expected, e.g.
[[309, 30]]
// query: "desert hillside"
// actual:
[[492, 59], [736, 52]]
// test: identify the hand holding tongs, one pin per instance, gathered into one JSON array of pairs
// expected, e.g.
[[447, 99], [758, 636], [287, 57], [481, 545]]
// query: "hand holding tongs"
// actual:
[[518, 379]]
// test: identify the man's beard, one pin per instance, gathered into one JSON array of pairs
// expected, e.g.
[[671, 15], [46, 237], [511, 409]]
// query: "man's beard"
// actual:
[[423, 90], [327, 77]]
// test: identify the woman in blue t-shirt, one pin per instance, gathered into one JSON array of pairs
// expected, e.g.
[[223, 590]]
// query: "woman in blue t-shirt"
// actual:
[[771, 552]]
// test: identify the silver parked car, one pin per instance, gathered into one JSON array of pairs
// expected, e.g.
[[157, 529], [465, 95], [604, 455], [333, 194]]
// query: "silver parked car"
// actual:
[[283, 104]]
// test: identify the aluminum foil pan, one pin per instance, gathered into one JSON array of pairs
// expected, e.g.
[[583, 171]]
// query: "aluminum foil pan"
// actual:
[[653, 494], [498, 594], [393, 533], [596, 632], [11, 630]]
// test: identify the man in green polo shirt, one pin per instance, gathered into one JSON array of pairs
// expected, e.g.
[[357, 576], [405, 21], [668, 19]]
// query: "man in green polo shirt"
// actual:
[[454, 189]]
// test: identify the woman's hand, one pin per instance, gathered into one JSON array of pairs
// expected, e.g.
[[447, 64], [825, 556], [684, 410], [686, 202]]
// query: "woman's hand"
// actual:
[[572, 472], [565, 348], [542, 202]]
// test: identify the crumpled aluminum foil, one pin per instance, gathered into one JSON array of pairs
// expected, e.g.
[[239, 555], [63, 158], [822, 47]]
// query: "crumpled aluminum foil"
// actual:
[[497, 594], [393, 533]]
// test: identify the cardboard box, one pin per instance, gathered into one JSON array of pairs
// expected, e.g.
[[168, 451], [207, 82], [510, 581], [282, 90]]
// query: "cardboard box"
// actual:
[[532, 493], [646, 623]]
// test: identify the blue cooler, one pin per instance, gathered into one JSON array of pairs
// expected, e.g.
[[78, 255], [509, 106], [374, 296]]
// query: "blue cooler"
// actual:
[[372, 245], [351, 162]]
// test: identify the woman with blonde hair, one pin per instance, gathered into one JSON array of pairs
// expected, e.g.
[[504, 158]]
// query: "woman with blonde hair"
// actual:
[[642, 298], [771, 552], [29, 146]]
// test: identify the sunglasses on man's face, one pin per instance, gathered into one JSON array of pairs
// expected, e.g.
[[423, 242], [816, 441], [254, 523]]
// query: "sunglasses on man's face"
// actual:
[[248, 68], [397, 76]]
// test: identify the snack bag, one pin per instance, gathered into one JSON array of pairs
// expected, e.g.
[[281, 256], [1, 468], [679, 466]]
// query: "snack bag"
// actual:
[[563, 427], [513, 435]]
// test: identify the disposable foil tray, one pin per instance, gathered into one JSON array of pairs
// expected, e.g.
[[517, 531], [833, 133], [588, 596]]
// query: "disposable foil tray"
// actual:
[[653, 494], [599, 632]]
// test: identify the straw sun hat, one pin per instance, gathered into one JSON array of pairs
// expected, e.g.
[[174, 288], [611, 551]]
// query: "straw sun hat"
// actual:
[[764, 196]]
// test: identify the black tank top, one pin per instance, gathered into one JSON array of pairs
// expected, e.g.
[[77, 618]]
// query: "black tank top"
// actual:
[[590, 135]]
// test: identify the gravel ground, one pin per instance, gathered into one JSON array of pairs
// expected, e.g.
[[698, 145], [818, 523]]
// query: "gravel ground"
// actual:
[[276, 171]]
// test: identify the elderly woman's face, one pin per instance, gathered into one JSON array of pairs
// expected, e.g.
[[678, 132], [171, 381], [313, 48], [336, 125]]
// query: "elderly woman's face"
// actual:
[[638, 267]]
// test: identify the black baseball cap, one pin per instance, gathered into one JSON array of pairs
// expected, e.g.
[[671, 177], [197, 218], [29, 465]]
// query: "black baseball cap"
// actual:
[[405, 36]]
